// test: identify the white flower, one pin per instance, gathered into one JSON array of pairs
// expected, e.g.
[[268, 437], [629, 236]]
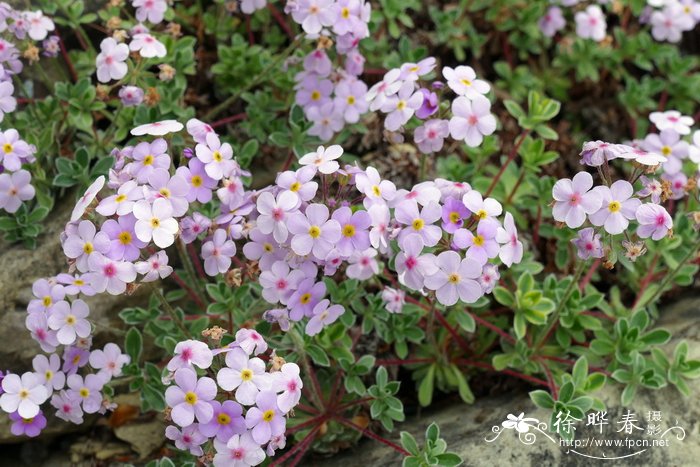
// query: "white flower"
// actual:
[[462, 80], [158, 128], [155, 222], [111, 60], [87, 198], [672, 119], [148, 46], [38, 25], [324, 159], [69, 320], [401, 107], [23, 395]]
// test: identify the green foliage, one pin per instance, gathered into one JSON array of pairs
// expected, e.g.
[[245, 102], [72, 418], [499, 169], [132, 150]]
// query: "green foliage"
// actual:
[[434, 453]]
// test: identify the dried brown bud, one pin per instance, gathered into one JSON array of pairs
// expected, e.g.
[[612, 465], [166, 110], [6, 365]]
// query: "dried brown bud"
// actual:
[[166, 72], [152, 97], [695, 219], [131, 288], [276, 362], [102, 92], [233, 277], [174, 29], [607, 264], [166, 414], [691, 184], [633, 250], [31, 53], [214, 333], [324, 42], [231, 7], [666, 190], [120, 35], [113, 23]]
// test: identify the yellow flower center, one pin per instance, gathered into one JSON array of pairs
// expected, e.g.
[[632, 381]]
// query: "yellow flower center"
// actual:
[[345, 13], [454, 217], [350, 100], [23, 394], [27, 421], [665, 150], [246, 375], [478, 240], [196, 181], [79, 282], [84, 392], [148, 160], [70, 319], [481, 214], [155, 223], [304, 299], [7, 147], [223, 419], [295, 187], [48, 375], [465, 82], [217, 156], [314, 231], [453, 278], [349, 230], [268, 415], [164, 192], [413, 69], [125, 238], [418, 224], [120, 198], [401, 105], [376, 191], [88, 248], [47, 301], [191, 398], [268, 247], [614, 206], [315, 95]]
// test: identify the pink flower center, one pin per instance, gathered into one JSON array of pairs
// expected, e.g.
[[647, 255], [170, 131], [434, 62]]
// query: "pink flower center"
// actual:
[[186, 438], [432, 134], [186, 355], [277, 214], [237, 453], [292, 386], [472, 120], [660, 220], [109, 60], [109, 270], [281, 284], [410, 262], [589, 246], [593, 21], [364, 261], [575, 199], [66, 408], [155, 264], [672, 119]]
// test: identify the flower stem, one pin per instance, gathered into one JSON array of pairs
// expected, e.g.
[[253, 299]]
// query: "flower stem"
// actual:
[[171, 311], [511, 156]]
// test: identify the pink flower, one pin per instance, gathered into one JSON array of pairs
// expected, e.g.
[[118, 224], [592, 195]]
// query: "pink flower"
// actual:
[[150, 10], [362, 264], [326, 121], [617, 207], [191, 352], [483, 245], [313, 232], [411, 266], [673, 120], [472, 120], [7, 102], [401, 107], [15, 188], [239, 451], [669, 23], [67, 408], [189, 439], [587, 244], [430, 136], [85, 244], [275, 213], [376, 190], [420, 223], [279, 282], [154, 268], [148, 157], [250, 341], [573, 199], [590, 24], [455, 279], [654, 221], [511, 247], [38, 25], [323, 315], [190, 398], [299, 182], [86, 390], [324, 159], [111, 60], [287, 384], [158, 128], [388, 86], [350, 99], [110, 275], [217, 253], [109, 361], [148, 46], [123, 202], [462, 80], [69, 321], [314, 14], [552, 22], [216, 156], [48, 369], [393, 299]]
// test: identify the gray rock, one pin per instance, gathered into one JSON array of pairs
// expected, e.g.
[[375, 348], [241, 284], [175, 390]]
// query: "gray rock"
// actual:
[[466, 427]]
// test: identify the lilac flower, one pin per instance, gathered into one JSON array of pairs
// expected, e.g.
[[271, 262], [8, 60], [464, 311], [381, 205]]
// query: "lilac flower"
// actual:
[[326, 121], [15, 188], [590, 24], [401, 107], [455, 279], [279, 316], [354, 63], [483, 245], [362, 264], [349, 17], [413, 71], [40, 332], [314, 232], [217, 253], [287, 384], [431, 135], [87, 391], [124, 245], [673, 120], [275, 213], [669, 23], [48, 369], [640, 156], [279, 282], [47, 295], [160, 128], [318, 62], [38, 25], [198, 130], [305, 298], [251, 341], [669, 144], [394, 299], [350, 99], [150, 10], [420, 223], [379, 234], [324, 159], [238, 451], [422, 193], [472, 120], [312, 15], [191, 352], [8, 103], [174, 189], [262, 248], [411, 266], [110, 275], [111, 60], [68, 320], [376, 190], [191, 398], [123, 202], [74, 358], [587, 244], [388, 86], [552, 21], [652, 187], [85, 244], [313, 92], [191, 227], [216, 156], [131, 95], [189, 439], [323, 315], [453, 214], [511, 247], [109, 361], [13, 150], [429, 106], [147, 157], [353, 228], [654, 221], [30, 427], [573, 199], [617, 207], [67, 408], [595, 153], [462, 80], [23, 394], [299, 182], [265, 418], [489, 277], [246, 375], [156, 267], [155, 222], [226, 421], [147, 46]]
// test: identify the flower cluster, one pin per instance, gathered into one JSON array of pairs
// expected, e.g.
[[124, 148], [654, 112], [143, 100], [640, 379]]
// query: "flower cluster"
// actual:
[[112, 60], [241, 406], [668, 19], [15, 182], [611, 207]]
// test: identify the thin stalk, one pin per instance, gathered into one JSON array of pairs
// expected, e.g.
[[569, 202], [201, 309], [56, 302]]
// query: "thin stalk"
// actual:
[[511, 157], [373, 435], [171, 311]]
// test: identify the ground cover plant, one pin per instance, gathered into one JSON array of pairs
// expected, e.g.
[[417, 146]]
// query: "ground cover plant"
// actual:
[[342, 209]]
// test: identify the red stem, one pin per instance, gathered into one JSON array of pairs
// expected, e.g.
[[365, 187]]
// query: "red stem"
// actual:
[[302, 445], [374, 436], [550, 381], [408, 361], [647, 279], [232, 118], [486, 366], [195, 298], [195, 259], [280, 20], [511, 156], [66, 57], [494, 328], [589, 275], [573, 362]]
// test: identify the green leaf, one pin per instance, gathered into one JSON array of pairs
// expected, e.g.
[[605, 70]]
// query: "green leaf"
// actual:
[[318, 355], [542, 399], [133, 343], [466, 321], [425, 389], [409, 443]]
